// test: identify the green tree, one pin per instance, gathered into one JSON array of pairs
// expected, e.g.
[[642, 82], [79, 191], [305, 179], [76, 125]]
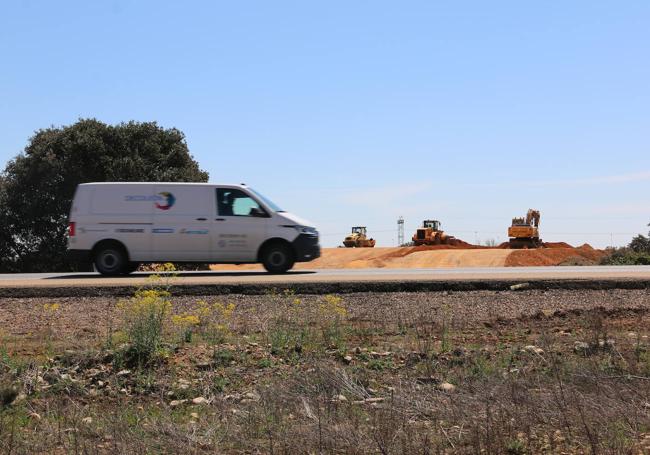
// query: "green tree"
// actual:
[[640, 244], [637, 252], [37, 186]]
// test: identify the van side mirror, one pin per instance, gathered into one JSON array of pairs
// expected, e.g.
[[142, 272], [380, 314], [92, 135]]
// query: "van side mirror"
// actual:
[[258, 212]]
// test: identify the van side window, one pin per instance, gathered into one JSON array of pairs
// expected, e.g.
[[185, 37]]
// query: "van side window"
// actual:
[[234, 202]]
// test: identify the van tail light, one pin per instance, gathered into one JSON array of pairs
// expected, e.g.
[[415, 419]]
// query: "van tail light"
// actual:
[[71, 229]]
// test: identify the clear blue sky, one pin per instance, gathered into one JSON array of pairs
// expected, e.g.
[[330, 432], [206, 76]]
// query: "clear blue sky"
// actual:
[[357, 112]]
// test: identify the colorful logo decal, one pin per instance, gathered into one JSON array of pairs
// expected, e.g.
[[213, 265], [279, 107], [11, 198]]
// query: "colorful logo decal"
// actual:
[[162, 231], [169, 201], [163, 201], [193, 231]]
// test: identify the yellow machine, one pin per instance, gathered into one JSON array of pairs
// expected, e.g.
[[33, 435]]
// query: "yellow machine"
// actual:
[[358, 239], [431, 233], [524, 232]]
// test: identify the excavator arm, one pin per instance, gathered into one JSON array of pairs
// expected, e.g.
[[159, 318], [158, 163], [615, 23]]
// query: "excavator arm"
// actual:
[[532, 217]]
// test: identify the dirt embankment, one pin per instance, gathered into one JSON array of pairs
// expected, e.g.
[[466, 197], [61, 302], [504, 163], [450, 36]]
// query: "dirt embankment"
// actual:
[[555, 255], [444, 256]]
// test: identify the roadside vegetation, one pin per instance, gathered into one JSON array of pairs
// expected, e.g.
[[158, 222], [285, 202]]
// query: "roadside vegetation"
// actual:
[[287, 373], [37, 186], [636, 253]]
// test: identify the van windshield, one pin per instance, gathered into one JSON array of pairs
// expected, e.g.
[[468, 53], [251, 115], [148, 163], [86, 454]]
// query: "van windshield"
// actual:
[[266, 201]]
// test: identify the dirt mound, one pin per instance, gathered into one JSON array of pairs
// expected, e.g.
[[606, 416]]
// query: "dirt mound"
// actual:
[[406, 257], [556, 245], [443, 256], [584, 255]]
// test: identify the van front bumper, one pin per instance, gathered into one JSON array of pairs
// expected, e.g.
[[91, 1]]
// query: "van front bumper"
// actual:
[[306, 247]]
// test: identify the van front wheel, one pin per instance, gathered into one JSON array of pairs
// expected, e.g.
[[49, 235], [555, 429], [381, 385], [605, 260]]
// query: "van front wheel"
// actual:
[[277, 258], [111, 260]]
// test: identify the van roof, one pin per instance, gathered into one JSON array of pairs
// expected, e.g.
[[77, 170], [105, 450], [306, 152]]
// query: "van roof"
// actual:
[[240, 185]]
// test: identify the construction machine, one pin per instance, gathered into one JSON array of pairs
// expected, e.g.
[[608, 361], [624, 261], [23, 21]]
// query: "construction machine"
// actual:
[[358, 238], [431, 233], [524, 232]]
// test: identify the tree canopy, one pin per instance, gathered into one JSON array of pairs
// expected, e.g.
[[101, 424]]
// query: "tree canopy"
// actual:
[[640, 244], [37, 186]]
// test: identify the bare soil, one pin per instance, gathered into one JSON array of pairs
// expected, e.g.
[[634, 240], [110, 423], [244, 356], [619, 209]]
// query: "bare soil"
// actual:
[[443, 256]]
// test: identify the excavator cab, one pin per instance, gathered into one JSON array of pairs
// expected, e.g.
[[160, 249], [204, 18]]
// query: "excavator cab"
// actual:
[[361, 230], [432, 224]]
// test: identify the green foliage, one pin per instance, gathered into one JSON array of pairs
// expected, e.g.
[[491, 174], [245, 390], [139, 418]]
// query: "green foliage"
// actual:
[[223, 357], [380, 364], [626, 256], [37, 186], [144, 317], [287, 340], [219, 384], [640, 244], [636, 253], [515, 447]]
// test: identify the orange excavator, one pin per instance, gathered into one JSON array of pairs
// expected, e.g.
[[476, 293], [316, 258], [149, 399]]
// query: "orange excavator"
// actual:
[[524, 232], [431, 233]]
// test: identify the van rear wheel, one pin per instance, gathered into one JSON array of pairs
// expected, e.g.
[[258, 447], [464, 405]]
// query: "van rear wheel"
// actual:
[[111, 260], [277, 258]]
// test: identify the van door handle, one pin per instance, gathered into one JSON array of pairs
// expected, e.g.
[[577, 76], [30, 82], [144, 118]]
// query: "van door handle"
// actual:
[[201, 219], [219, 219]]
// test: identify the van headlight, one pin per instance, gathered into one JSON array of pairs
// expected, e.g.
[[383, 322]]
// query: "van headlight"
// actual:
[[308, 230]]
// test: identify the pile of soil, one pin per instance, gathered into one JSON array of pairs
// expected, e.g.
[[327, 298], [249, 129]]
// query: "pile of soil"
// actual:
[[444, 256], [555, 255], [557, 245]]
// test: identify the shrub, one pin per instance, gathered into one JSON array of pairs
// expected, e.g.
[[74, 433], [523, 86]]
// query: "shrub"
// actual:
[[212, 322], [332, 314], [144, 317], [626, 256]]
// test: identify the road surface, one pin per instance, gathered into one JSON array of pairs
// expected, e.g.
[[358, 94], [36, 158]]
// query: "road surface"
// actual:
[[32, 280]]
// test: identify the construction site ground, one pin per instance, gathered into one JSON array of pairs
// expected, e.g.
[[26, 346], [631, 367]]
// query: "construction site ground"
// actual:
[[444, 256]]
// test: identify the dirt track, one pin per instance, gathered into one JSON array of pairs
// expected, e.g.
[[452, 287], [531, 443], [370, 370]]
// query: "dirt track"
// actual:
[[441, 257]]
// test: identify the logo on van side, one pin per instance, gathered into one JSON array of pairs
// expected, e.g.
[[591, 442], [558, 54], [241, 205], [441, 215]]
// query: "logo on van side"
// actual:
[[169, 201], [193, 231], [162, 231], [163, 201]]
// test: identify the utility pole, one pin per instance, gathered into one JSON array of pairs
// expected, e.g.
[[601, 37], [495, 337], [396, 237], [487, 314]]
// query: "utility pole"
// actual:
[[400, 231]]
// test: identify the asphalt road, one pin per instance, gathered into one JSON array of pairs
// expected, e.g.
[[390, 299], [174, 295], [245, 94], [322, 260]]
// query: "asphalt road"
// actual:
[[334, 276]]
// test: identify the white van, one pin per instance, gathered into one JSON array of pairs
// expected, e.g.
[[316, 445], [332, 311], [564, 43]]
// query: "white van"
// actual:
[[120, 225]]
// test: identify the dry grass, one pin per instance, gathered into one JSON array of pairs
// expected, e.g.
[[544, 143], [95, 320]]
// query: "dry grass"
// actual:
[[311, 374]]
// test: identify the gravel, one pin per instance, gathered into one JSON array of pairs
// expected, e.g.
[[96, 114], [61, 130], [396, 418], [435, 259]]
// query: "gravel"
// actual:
[[81, 318]]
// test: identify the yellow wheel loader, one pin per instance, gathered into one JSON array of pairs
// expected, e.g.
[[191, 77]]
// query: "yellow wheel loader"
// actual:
[[431, 233]]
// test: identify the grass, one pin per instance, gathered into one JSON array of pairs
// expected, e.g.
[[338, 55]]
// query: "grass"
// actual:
[[296, 373]]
